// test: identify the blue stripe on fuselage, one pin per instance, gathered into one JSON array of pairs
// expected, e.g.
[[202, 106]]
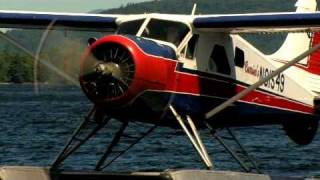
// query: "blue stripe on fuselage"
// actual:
[[227, 81], [153, 48]]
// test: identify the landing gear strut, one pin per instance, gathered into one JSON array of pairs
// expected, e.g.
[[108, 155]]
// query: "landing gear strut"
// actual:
[[247, 163], [84, 132]]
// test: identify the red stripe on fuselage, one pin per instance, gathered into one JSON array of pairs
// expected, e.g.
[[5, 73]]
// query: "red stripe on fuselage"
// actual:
[[193, 84], [266, 99]]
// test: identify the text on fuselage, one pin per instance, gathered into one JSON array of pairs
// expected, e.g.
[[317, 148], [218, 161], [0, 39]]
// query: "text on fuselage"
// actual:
[[276, 83]]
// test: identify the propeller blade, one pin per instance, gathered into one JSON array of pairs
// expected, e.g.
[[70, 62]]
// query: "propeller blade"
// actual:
[[37, 55]]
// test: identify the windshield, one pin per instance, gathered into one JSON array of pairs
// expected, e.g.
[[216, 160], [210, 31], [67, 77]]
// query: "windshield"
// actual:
[[130, 27], [168, 31]]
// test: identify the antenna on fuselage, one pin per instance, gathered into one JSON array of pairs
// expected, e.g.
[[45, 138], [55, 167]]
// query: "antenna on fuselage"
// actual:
[[194, 9]]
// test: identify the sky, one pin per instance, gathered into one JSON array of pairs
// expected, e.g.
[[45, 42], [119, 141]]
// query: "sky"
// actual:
[[80, 6]]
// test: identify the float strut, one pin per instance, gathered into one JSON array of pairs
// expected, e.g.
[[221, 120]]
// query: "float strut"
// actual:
[[193, 137]]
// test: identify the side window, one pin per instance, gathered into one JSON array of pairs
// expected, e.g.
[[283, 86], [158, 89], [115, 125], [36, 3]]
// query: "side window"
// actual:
[[219, 60], [239, 57], [191, 46]]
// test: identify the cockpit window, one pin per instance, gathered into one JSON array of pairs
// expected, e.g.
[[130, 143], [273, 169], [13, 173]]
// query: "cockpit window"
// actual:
[[169, 31], [130, 27]]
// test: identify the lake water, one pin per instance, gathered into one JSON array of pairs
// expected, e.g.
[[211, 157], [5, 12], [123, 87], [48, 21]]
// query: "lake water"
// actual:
[[34, 128]]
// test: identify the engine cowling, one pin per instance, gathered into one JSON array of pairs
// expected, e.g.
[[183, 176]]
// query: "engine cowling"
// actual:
[[107, 72], [115, 69]]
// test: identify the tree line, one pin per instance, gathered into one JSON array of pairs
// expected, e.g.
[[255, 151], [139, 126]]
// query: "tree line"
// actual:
[[15, 68], [62, 51]]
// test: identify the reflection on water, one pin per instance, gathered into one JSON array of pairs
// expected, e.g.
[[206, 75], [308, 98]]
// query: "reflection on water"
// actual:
[[35, 127]]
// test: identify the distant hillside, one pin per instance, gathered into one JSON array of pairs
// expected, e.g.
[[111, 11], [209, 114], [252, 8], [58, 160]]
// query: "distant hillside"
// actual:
[[205, 6]]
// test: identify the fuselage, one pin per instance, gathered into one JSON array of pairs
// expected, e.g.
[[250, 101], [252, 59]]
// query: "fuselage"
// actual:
[[196, 71]]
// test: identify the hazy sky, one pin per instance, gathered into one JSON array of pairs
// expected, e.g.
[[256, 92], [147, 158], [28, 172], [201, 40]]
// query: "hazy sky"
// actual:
[[62, 5]]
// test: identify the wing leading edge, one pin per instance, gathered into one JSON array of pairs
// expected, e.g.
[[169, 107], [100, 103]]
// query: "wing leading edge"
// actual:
[[72, 21], [263, 22]]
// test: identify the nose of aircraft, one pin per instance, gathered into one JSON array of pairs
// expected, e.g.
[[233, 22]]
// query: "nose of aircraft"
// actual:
[[107, 71], [117, 69]]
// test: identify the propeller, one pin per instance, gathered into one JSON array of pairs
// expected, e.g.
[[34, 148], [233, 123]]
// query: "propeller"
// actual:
[[108, 72]]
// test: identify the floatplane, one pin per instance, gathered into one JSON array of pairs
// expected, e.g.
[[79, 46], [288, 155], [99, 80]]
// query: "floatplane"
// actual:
[[190, 72]]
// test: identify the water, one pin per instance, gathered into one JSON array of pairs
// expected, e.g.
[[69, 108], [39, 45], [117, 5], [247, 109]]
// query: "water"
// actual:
[[35, 127]]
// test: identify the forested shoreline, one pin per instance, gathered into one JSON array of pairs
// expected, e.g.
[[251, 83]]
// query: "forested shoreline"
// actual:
[[62, 50]]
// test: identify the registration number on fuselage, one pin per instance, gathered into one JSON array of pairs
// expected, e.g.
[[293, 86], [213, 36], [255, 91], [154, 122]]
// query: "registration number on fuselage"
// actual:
[[277, 83]]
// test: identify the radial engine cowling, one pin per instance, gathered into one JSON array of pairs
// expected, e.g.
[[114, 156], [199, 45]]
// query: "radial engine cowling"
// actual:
[[107, 71], [115, 69]]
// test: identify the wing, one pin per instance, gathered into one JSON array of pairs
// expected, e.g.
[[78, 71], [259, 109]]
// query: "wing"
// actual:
[[263, 22], [72, 21]]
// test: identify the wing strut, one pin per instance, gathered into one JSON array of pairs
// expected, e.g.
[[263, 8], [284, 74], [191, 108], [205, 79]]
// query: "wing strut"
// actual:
[[194, 137], [243, 93]]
